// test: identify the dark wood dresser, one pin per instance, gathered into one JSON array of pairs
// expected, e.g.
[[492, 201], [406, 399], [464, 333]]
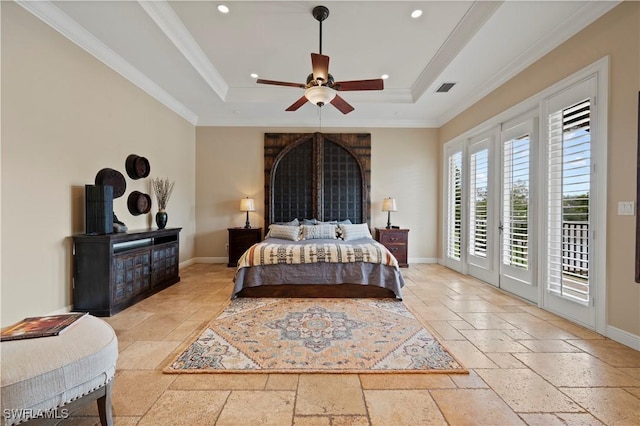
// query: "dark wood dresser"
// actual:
[[397, 241], [113, 271], [240, 239]]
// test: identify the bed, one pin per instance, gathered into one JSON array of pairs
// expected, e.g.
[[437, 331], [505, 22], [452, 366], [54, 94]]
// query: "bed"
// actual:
[[319, 267], [324, 177]]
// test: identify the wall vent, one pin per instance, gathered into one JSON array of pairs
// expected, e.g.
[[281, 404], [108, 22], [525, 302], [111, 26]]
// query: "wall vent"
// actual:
[[445, 87]]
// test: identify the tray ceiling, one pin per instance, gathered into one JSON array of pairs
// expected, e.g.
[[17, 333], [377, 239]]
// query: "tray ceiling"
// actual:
[[199, 62]]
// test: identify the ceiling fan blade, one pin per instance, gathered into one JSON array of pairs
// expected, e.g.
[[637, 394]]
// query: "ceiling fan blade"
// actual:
[[374, 84], [342, 105], [320, 64], [297, 104], [280, 83]]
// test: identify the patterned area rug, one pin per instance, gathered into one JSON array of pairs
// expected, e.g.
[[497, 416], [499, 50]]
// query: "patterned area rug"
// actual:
[[315, 336]]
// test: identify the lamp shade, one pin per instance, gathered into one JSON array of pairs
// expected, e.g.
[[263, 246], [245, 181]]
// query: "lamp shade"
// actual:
[[389, 205], [320, 95], [246, 205]]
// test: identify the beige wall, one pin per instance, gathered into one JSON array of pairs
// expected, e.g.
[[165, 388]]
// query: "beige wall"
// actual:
[[616, 34], [65, 115], [230, 166]]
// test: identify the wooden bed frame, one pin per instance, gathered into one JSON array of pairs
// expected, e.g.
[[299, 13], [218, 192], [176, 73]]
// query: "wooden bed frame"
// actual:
[[317, 176], [315, 290]]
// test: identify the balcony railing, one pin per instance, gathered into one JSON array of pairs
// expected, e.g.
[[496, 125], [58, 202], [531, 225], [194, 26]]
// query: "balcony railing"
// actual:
[[575, 248]]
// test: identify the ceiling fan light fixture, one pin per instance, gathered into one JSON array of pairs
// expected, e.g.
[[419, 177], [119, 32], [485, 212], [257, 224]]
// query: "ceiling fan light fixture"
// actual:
[[319, 95], [321, 88]]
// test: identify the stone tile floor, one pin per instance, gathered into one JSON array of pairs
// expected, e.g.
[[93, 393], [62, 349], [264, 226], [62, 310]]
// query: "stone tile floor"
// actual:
[[526, 365]]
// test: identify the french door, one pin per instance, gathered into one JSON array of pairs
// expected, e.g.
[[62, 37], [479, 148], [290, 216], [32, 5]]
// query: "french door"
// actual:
[[571, 197], [517, 183], [481, 197], [500, 233], [453, 207]]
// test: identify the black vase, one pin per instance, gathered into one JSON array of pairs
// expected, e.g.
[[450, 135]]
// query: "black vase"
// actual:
[[161, 219]]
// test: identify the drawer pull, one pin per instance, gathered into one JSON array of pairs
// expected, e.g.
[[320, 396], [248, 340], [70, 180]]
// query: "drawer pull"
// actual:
[[393, 249], [394, 238]]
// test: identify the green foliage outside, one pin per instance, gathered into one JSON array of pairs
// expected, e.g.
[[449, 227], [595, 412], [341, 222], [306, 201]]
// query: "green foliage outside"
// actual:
[[575, 209]]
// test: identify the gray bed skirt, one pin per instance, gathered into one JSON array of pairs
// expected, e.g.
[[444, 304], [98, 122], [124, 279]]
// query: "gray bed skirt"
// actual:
[[326, 274]]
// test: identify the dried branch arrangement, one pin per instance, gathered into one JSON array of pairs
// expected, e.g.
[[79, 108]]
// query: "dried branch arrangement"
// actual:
[[163, 189]]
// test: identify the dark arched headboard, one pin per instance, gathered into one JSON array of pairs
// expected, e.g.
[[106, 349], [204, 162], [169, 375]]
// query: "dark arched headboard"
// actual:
[[317, 175]]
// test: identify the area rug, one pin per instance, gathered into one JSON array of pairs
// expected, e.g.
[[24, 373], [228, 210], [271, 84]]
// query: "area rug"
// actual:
[[273, 335]]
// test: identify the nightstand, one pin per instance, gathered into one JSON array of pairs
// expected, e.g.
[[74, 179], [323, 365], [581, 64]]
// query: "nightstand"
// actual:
[[397, 242], [240, 239]]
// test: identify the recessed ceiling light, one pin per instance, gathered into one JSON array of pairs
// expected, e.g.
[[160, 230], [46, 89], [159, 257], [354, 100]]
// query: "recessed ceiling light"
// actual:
[[254, 75], [223, 8], [384, 76], [416, 13]]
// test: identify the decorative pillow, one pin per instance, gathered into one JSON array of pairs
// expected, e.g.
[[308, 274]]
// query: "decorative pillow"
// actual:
[[312, 232], [313, 221], [353, 232], [284, 232], [337, 222], [338, 229], [294, 222]]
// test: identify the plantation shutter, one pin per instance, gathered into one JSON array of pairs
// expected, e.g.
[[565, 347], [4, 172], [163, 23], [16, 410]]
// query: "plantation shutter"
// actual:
[[569, 193], [478, 202], [454, 205], [515, 214]]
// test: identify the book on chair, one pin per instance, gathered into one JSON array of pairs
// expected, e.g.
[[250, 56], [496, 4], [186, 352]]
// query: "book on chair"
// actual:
[[32, 327]]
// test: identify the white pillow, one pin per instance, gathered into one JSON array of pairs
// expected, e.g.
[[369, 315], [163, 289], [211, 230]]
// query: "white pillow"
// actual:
[[312, 232], [353, 232], [284, 232], [294, 222]]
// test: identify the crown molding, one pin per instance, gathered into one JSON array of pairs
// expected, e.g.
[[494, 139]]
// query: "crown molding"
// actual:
[[471, 22], [170, 24], [586, 15], [61, 22]]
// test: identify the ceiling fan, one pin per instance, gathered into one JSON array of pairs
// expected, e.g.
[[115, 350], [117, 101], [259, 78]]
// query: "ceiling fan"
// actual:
[[320, 87]]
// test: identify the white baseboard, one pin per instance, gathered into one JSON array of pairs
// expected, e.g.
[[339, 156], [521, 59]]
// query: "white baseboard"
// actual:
[[624, 337], [422, 260], [210, 260], [186, 263]]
